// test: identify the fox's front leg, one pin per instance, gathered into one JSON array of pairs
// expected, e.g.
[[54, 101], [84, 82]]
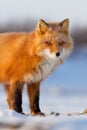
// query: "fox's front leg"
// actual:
[[33, 93], [14, 96]]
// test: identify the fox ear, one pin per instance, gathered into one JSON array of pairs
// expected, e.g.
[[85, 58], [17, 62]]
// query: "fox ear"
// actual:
[[64, 24], [42, 27]]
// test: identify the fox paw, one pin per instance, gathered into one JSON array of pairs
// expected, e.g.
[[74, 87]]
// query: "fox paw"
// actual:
[[38, 114], [22, 113]]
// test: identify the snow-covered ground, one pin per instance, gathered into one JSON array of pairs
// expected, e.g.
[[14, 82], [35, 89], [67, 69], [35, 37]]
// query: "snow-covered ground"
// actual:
[[63, 99]]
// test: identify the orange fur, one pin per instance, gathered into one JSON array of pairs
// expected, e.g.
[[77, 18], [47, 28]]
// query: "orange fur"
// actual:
[[24, 57]]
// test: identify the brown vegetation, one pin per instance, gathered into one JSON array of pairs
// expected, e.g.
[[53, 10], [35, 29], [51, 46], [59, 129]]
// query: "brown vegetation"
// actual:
[[79, 35], [18, 26]]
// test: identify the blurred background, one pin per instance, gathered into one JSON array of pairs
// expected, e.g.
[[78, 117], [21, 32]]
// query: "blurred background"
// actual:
[[22, 15]]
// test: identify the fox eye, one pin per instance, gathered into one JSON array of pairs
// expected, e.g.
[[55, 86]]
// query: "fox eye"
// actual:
[[47, 42], [61, 43]]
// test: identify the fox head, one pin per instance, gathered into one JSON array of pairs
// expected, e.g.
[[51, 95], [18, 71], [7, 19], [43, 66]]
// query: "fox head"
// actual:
[[53, 39]]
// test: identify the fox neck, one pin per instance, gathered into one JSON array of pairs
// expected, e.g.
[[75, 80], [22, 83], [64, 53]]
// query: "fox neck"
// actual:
[[31, 44]]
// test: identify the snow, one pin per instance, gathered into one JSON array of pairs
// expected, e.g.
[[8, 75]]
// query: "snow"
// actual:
[[63, 99]]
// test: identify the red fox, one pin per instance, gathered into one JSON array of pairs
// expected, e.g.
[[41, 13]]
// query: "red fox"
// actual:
[[31, 57]]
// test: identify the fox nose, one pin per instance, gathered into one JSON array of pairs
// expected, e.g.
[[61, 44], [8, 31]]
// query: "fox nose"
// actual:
[[57, 54]]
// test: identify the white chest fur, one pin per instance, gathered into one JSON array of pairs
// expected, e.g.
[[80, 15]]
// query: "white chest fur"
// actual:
[[41, 72]]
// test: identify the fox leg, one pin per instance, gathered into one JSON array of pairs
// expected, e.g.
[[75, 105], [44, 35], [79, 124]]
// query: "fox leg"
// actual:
[[14, 96], [33, 93]]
